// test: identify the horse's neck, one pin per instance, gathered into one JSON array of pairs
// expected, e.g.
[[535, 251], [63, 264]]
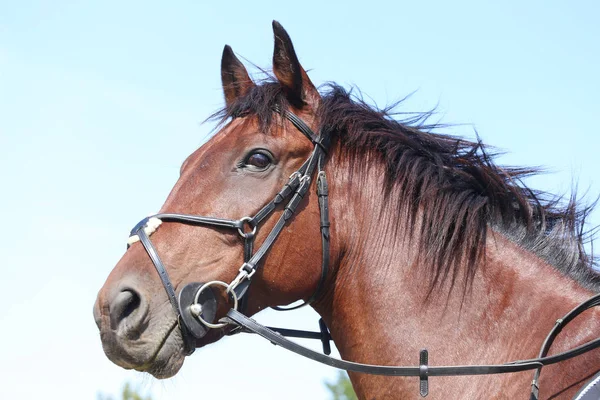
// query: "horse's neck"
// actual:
[[379, 312]]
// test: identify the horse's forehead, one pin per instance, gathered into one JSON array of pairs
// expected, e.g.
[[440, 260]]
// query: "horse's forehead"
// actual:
[[242, 130], [235, 130], [225, 138]]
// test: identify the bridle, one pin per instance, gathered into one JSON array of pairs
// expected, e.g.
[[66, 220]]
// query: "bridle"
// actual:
[[196, 304]]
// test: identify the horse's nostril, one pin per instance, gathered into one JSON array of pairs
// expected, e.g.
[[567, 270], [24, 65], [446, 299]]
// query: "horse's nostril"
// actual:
[[123, 305]]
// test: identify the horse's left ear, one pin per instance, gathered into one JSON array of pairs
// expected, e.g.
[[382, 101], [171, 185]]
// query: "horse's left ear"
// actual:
[[294, 79]]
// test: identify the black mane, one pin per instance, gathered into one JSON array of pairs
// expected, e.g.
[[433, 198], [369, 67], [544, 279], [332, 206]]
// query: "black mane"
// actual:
[[461, 191]]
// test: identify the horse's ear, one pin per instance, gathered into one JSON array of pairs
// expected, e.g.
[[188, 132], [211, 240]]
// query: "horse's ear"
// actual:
[[235, 78], [299, 89]]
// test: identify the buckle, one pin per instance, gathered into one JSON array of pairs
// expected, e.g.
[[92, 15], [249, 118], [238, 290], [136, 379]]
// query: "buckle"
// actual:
[[246, 271]]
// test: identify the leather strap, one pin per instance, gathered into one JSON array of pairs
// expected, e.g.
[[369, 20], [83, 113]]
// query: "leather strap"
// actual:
[[200, 220], [160, 268], [424, 370], [322, 194], [188, 341], [236, 318], [283, 194], [299, 124]]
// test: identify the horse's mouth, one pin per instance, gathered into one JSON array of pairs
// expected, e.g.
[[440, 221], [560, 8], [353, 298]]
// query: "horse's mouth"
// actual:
[[168, 356]]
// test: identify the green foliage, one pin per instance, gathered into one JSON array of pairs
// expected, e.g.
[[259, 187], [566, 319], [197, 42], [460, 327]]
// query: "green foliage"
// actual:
[[341, 389], [128, 393]]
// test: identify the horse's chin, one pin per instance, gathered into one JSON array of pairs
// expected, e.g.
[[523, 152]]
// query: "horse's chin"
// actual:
[[159, 353], [169, 358]]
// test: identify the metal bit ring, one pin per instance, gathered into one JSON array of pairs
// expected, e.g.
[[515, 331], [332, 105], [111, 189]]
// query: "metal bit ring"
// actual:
[[203, 288]]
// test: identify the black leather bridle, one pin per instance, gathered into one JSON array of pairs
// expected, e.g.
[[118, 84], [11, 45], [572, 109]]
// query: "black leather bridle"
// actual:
[[196, 305]]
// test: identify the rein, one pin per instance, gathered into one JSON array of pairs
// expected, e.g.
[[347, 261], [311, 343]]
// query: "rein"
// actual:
[[196, 304], [424, 371]]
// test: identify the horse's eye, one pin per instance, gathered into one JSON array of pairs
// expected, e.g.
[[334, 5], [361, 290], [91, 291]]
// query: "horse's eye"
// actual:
[[258, 160]]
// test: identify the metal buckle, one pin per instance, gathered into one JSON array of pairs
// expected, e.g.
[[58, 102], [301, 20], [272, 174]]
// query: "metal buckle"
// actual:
[[294, 174], [243, 274]]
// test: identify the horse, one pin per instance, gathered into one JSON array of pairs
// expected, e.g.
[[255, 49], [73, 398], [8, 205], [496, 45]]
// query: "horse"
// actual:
[[408, 239]]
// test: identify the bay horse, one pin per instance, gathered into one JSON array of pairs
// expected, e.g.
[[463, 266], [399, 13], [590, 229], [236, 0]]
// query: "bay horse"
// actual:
[[415, 240]]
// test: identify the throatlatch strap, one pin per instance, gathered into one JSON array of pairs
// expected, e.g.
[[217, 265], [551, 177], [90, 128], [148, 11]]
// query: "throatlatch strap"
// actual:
[[322, 194]]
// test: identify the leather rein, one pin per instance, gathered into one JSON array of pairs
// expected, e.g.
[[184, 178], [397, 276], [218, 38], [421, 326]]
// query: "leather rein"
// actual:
[[196, 304]]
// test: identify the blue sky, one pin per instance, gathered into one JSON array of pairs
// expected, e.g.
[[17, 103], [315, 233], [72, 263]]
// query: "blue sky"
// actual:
[[101, 102]]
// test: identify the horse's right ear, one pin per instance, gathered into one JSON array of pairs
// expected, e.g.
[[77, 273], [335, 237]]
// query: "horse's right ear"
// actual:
[[235, 78], [290, 74]]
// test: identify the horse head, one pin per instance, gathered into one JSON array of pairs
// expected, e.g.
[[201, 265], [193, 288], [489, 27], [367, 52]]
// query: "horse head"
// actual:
[[232, 177]]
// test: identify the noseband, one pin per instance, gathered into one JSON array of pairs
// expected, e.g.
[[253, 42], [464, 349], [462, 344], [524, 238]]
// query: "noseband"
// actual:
[[196, 306]]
